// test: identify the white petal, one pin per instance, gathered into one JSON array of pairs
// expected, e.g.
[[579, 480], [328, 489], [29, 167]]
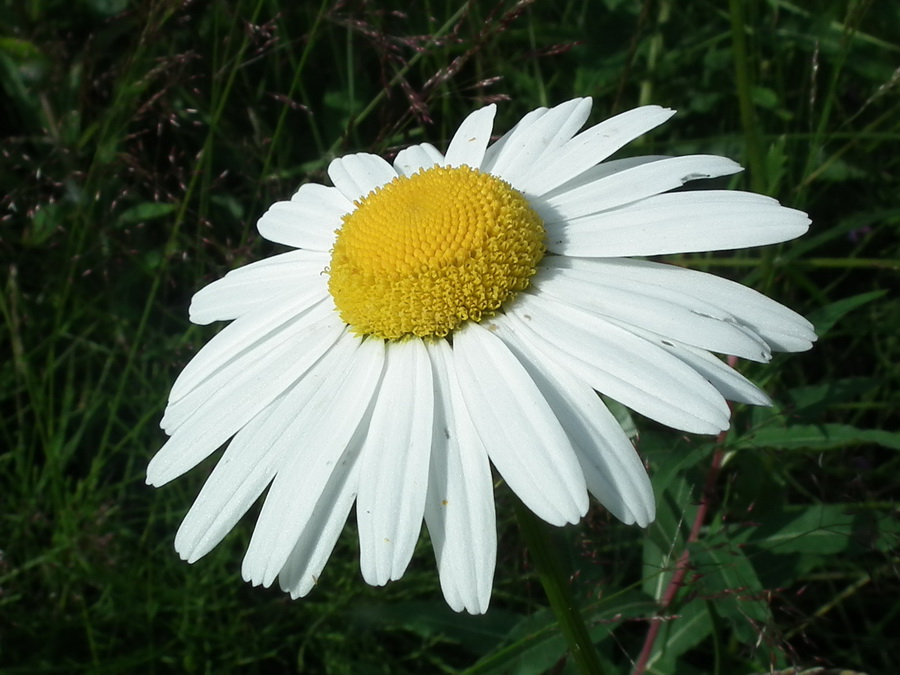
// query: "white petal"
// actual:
[[394, 464], [518, 428], [782, 328], [303, 566], [510, 139], [471, 139], [358, 175], [621, 365], [667, 314], [612, 469], [247, 288], [229, 491], [240, 400], [287, 258], [308, 220], [570, 118], [596, 173], [459, 510], [523, 154], [631, 185], [417, 157], [679, 222], [257, 453], [267, 324], [233, 374], [732, 385], [594, 145], [321, 457]]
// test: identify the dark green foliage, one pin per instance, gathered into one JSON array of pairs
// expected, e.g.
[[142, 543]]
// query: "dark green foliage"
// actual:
[[142, 140]]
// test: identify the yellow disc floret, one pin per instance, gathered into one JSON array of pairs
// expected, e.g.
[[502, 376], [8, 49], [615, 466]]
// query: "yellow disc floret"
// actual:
[[422, 254]]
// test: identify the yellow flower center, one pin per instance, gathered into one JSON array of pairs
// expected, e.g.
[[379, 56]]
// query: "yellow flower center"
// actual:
[[422, 254]]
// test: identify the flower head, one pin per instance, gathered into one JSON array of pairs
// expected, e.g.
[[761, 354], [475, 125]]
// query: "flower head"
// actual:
[[455, 311]]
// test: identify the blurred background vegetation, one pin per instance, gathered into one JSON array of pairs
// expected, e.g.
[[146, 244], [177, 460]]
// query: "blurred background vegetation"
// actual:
[[141, 140]]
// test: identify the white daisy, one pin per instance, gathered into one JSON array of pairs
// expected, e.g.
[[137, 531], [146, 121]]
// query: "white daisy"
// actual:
[[461, 310]]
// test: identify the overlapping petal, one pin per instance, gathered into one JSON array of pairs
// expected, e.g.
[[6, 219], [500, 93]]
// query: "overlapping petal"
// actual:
[[592, 146], [459, 509], [658, 310], [620, 364], [523, 437], [357, 175], [632, 185], [395, 457], [783, 329], [417, 157], [257, 331], [301, 570], [523, 151], [230, 407], [257, 453], [678, 222], [612, 469], [471, 139], [320, 458], [308, 221], [247, 288]]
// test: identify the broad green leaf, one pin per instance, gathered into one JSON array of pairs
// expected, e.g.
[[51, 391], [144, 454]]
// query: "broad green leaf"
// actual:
[[476, 634], [764, 97], [813, 399], [681, 630], [838, 170], [20, 49], [146, 211], [670, 457], [623, 606], [675, 506], [817, 437], [825, 318], [665, 537], [232, 206], [44, 223], [822, 529], [726, 577], [536, 646]]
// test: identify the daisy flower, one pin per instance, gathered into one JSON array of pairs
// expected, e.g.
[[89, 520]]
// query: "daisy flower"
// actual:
[[452, 312]]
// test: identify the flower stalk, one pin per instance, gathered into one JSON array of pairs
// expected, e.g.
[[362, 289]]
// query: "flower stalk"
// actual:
[[550, 570]]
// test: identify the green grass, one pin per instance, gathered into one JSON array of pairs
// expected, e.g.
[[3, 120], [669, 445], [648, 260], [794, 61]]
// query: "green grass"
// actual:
[[143, 140]]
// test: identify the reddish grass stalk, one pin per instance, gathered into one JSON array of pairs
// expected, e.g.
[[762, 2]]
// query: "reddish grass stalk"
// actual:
[[681, 566]]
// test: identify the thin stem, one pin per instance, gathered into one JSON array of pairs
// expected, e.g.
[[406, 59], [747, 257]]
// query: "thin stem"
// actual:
[[400, 74], [655, 52], [745, 98], [681, 566], [545, 555], [752, 136], [203, 159]]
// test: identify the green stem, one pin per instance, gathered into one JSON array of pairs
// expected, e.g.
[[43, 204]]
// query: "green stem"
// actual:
[[752, 136], [546, 557], [656, 50], [745, 98]]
